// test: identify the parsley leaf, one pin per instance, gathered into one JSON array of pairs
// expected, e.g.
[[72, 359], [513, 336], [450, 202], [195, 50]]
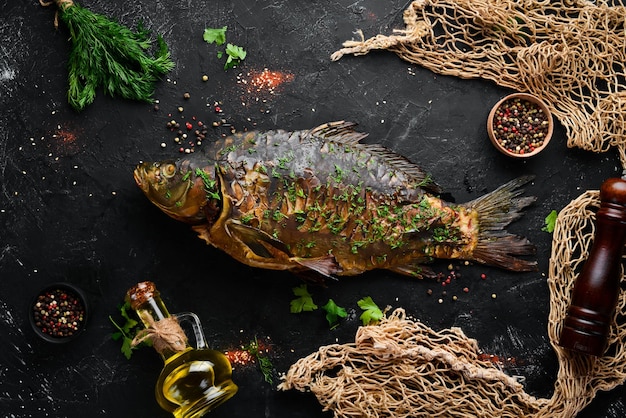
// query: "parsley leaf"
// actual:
[[127, 331], [371, 311], [235, 54], [550, 222], [333, 313], [215, 35], [304, 301]]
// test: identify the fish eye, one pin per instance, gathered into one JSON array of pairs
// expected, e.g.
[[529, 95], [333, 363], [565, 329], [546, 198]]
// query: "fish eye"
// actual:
[[168, 170]]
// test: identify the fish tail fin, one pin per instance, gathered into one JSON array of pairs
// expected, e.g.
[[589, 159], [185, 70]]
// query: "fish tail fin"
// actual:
[[496, 210]]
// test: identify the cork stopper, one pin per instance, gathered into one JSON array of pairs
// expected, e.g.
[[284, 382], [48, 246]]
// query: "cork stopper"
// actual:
[[140, 293]]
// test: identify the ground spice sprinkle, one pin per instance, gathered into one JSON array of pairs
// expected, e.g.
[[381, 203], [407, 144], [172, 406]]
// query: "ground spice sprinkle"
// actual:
[[58, 313], [520, 126]]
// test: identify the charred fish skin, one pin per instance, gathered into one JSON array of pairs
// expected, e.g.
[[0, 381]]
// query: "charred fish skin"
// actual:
[[320, 199]]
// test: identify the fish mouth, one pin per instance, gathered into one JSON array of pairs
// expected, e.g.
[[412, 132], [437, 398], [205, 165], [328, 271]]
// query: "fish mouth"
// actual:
[[140, 174], [150, 180]]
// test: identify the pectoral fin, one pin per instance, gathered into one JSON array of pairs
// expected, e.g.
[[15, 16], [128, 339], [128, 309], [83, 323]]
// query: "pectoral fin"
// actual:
[[259, 242], [326, 266], [273, 250]]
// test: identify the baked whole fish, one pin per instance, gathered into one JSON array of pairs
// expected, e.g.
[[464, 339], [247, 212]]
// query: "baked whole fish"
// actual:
[[321, 200]]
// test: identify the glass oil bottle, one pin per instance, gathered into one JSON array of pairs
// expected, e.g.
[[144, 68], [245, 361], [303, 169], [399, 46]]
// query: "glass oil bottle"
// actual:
[[194, 379]]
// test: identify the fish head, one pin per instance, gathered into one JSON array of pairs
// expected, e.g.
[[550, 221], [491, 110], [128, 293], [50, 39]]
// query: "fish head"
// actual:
[[182, 190]]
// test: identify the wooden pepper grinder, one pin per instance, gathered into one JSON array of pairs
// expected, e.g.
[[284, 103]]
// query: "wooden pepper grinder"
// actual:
[[596, 290]]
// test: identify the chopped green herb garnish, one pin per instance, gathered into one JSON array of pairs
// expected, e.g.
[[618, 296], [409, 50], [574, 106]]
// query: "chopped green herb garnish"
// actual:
[[371, 311], [550, 222], [235, 54], [304, 301], [215, 35], [333, 313], [265, 364]]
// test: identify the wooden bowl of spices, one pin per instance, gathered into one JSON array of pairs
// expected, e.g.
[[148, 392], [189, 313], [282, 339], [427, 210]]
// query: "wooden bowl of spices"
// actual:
[[520, 125], [58, 313]]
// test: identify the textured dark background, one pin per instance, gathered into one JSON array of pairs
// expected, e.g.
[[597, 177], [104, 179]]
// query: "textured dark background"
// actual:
[[70, 210]]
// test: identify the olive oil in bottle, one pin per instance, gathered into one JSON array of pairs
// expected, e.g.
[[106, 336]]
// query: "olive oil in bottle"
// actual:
[[194, 380]]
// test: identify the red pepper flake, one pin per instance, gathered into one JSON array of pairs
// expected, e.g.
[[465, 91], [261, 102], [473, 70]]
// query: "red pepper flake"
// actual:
[[66, 140], [66, 136], [239, 357], [243, 357], [268, 80]]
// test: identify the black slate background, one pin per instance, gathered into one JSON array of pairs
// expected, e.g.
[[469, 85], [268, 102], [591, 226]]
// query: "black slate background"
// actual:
[[70, 210]]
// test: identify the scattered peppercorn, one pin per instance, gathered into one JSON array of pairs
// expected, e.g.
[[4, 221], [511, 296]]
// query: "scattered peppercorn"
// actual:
[[58, 313], [520, 126]]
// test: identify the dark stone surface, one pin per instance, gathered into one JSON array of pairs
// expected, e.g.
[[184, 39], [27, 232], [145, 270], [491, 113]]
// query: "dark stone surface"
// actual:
[[70, 210]]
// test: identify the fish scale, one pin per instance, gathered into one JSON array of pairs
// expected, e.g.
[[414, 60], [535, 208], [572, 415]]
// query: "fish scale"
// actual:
[[321, 200]]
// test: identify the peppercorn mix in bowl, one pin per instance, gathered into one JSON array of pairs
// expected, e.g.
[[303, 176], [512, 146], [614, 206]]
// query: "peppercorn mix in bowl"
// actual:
[[58, 313], [520, 125]]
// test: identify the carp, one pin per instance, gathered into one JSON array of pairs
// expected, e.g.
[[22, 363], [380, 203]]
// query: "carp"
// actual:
[[321, 200]]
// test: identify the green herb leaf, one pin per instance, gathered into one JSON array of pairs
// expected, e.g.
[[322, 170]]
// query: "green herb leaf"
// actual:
[[215, 35], [304, 301], [235, 54], [265, 364], [127, 331], [127, 348], [550, 222], [108, 55], [371, 311], [333, 313]]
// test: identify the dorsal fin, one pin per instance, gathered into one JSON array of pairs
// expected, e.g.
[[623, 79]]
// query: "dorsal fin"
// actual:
[[410, 169], [339, 131], [344, 132]]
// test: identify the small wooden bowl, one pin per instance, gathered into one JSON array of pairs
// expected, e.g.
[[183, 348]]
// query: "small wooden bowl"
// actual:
[[519, 145], [58, 313]]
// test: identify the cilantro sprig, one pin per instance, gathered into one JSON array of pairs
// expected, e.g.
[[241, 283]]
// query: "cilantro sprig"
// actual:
[[234, 53]]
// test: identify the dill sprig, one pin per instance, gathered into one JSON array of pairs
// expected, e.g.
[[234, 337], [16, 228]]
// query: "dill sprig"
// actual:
[[108, 55]]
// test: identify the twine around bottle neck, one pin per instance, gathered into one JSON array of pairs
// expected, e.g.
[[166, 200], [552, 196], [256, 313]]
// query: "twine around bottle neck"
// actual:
[[165, 334]]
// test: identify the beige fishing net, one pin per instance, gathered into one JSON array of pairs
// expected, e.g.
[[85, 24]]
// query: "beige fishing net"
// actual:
[[402, 368], [569, 53], [572, 54]]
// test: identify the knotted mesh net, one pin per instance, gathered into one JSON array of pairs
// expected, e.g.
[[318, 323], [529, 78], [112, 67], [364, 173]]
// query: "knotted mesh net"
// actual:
[[401, 368], [569, 53]]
